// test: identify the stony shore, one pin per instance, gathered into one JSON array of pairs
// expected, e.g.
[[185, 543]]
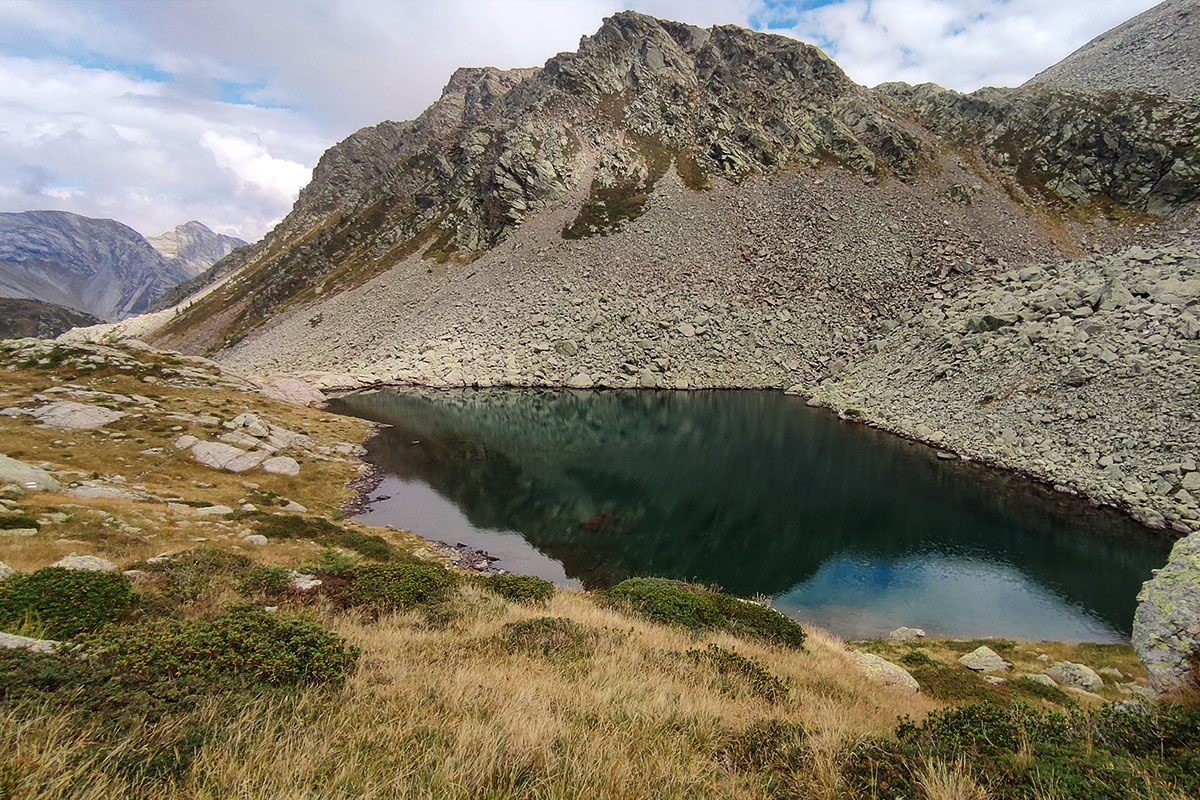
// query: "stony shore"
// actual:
[[1085, 374]]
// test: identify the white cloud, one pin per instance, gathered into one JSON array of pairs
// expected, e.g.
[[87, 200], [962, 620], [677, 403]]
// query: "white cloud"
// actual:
[[115, 108]]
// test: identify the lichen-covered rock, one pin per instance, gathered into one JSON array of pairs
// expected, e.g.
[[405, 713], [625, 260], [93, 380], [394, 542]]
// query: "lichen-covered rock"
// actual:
[[984, 659], [15, 642], [905, 634], [885, 673], [1166, 626], [1069, 674], [223, 456], [90, 563], [76, 416]]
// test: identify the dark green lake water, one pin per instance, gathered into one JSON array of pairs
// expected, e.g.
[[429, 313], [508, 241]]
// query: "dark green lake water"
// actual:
[[842, 526]]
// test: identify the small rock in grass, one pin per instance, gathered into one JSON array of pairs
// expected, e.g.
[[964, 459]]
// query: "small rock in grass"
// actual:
[[1076, 676], [984, 659], [13, 642], [1038, 677], [212, 511], [186, 442], [282, 465], [255, 539], [6, 571], [304, 582], [881, 671], [89, 563], [904, 634]]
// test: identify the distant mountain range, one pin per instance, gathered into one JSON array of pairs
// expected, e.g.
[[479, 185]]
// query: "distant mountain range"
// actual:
[[99, 266]]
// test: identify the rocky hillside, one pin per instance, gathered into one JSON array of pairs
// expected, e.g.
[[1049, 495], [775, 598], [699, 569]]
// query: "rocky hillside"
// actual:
[[194, 247], [1157, 51], [703, 125], [96, 266], [20, 317]]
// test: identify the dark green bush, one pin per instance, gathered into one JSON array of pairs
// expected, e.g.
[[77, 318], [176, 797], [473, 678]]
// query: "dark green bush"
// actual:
[[764, 747], [736, 675], [518, 588], [66, 602], [399, 585], [553, 638], [264, 580], [332, 561], [9, 522], [244, 646], [701, 608]]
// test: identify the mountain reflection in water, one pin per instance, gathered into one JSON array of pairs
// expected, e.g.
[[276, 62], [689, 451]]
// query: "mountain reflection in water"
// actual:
[[841, 525]]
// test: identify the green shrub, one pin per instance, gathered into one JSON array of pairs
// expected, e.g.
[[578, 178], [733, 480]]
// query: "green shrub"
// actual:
[[10, 522], [320, 530], [765, 746], [65, 602], [264, 580], [243, 646], [701, 608], [553, 638], [335, 562], [518, 588], [189, 573], [736, 675], [399, 585]]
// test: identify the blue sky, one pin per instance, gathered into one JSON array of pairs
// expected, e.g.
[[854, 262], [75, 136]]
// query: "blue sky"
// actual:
[[153, 113]]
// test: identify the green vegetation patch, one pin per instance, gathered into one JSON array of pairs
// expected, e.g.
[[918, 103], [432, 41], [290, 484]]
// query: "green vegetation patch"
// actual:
[[64, 602], [701, 608], [190, 573], [319, 530], [399, 585], [262, 580], [12, 522], [518, 588], [552, 638], [735, 675], [1015, 751]]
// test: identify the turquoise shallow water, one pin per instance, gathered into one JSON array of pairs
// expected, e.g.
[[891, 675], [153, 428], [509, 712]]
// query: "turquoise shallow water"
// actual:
[[842, 526]]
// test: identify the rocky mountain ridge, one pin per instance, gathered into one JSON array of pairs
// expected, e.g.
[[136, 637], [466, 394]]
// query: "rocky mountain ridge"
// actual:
[[97, 266]]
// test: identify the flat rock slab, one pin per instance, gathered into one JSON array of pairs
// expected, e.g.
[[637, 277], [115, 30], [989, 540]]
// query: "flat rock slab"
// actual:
[[291, 390], [26, 476], [883, 672], [13, 642], [223, 456], [984, 659], [88, 563], [1038, 677], [212, 511], [77, 416], [282, 465], [1075, 676]]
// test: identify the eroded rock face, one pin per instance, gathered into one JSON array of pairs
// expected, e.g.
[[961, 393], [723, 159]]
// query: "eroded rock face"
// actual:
[[1166, 626]]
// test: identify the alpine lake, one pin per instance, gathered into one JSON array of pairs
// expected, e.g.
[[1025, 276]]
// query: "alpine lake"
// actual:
[[839, 525]]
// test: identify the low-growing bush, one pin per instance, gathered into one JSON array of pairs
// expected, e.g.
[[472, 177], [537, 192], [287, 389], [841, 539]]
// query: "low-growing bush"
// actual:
[[244, 646], [736, 675], [518, 588], [701, 608], [264, 581], [399, 585], [552, 638], [64, 602], [189, 573], [320, 530], [335, 562], [9, 522], [765, 746]]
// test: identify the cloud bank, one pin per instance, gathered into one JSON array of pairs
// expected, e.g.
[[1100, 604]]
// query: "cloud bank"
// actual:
[[155, 113]]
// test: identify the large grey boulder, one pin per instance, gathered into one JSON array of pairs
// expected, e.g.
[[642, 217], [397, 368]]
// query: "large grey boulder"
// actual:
[[1166, 626], [905, 634], [282, 465], [984, 659], [76, 416], [223, 456], [26, 476], [1075, 676], [883, 672]]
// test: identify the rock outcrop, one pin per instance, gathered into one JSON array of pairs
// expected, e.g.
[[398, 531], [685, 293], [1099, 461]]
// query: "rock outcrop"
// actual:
[[1166, 626], [23, 317]]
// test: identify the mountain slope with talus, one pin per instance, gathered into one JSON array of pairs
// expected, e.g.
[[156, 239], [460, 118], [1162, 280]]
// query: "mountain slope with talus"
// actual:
[[532, 225]]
